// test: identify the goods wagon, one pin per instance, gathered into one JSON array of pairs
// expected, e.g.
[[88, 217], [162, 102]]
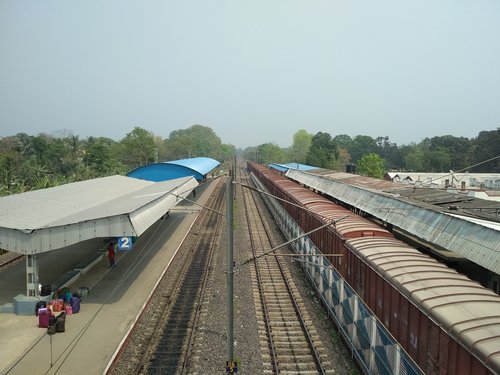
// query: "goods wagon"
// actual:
[[448, 323]]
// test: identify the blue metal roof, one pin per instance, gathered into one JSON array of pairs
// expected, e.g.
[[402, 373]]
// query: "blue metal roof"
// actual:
[[286, 167], [197, 167], [278, 167]]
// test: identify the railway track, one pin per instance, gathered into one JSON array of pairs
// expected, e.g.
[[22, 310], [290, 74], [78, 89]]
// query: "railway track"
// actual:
[[161, 340], [289, 342]]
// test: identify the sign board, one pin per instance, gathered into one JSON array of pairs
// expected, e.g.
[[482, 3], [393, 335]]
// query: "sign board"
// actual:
[[125, 243]]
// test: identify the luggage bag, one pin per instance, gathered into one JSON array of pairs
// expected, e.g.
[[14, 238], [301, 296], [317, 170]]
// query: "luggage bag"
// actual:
[[44, 316], [61, 322], [39, 305], [75, 304]]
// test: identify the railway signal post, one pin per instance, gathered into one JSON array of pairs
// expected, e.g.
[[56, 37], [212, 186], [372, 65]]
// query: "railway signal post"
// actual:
[[230, 272]]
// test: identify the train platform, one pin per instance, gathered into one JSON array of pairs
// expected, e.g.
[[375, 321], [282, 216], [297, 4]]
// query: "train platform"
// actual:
[[116, 298]]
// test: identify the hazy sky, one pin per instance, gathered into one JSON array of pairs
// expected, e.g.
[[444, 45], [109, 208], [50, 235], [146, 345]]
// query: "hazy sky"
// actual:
[[254, 71]]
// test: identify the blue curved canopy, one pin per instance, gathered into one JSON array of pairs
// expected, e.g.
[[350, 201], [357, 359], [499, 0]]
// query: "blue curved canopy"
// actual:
[[286, 167], [196, 167]]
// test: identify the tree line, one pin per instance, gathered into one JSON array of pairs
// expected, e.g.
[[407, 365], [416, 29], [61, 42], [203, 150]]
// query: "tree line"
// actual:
[[34, 162], [374, 156]]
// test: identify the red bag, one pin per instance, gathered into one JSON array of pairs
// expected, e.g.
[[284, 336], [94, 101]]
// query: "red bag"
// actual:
[[57, 305], [68, 309]]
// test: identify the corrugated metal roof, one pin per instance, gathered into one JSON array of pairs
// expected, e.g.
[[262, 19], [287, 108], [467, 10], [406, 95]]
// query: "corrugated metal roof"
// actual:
[[278, 167], [301, 167], [287, 166], [201, 165], [483, 180], [114, 206], [459, 199], [196, 167], [478, 243]]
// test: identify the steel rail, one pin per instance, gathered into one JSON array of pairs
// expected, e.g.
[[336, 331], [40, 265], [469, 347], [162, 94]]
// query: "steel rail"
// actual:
[[203, 284], [272, 348], [314, 353]]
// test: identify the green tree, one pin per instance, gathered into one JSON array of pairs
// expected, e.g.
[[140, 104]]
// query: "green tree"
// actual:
[[362, 145], [270, 153], [227, 152], [344, 141], [413, 158], [100, 160], [371, 165], [456, 147], [486, 146], [58, 158], [438, 160], [137, 148], [198, 140], [251, 153], [323, 152], [343, 159], [390, 152], [300, 146]]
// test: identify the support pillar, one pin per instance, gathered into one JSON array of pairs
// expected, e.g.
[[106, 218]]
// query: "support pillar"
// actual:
[[32, 276]]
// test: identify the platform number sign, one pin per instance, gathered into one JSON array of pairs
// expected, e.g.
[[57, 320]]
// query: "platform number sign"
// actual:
[[125, 243]]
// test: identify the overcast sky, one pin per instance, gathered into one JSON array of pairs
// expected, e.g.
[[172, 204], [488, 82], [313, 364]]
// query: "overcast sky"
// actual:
[[253, 71]]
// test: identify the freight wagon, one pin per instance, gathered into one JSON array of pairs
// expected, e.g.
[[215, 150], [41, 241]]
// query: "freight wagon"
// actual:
[[447, 323]]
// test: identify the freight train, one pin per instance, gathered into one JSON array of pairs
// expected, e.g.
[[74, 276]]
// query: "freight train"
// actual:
[[446, 322]]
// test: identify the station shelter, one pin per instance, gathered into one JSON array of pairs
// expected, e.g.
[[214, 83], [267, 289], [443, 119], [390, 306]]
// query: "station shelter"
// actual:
[[39, 221]]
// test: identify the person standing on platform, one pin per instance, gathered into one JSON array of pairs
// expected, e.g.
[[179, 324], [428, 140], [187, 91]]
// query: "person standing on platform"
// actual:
[[111, 254]]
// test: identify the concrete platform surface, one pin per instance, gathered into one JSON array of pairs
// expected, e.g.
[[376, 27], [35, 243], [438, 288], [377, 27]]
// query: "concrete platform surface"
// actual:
[[116, 297]]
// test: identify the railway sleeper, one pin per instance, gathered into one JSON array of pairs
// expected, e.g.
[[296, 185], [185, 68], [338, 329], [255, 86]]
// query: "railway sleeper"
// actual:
[[290, 353], [290, 343], [304, 372], [285, 310], [302, 350], [295, 364], [280, 297], [277, 331], [281, 322], [278, 293], [284, 335], [296, 368], [283, 297], [285, 323], [281, 310], [288, 322], [283, 357]]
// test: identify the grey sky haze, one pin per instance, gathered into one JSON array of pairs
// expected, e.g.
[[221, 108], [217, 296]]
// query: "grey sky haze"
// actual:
[[254, 71]]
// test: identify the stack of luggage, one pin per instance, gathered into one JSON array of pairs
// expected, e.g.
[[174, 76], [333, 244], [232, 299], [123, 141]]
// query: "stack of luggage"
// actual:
[[52, 315]]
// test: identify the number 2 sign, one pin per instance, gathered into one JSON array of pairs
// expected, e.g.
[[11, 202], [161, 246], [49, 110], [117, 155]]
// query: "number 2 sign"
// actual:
[[125, 243]]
